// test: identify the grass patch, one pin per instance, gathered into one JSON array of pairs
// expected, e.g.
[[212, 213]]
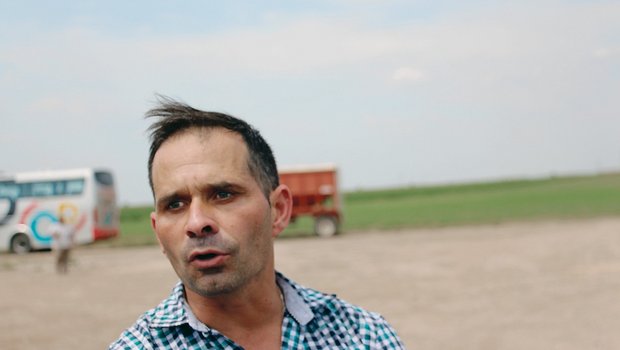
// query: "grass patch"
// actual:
[[570, 197], [302, 227]]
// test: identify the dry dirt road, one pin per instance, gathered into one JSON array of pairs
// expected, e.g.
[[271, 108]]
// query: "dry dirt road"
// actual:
[[545, 285]]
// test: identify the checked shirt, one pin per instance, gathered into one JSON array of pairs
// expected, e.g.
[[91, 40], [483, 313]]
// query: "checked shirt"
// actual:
[[312, 320]]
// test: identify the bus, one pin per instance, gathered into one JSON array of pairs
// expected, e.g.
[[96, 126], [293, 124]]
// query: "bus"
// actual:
[[31, 201]]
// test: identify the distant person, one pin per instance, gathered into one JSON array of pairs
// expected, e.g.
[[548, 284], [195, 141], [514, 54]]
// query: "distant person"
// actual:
[[218, 208], [62, 242]]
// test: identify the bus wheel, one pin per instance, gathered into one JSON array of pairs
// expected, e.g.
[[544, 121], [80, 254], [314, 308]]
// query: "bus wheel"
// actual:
[[325, 226], [20, 244]]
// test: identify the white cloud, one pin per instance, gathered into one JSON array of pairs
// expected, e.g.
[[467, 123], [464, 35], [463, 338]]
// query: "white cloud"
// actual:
[[606, 52], [53, 104], [408, 74], [304, 44]]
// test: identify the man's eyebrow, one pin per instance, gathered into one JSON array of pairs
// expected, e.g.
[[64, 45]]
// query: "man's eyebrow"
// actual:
[[224, 185]]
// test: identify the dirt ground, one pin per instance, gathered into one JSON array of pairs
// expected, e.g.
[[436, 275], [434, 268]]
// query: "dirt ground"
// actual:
[[545, 285]]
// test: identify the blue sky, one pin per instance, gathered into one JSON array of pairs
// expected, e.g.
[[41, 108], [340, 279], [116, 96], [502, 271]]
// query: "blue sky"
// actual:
[[393, 92]]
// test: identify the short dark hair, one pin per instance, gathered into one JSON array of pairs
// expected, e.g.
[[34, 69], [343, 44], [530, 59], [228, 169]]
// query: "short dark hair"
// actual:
[[174, 117]]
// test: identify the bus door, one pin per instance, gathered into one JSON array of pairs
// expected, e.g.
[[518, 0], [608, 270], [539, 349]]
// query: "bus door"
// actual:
[[8, 201]]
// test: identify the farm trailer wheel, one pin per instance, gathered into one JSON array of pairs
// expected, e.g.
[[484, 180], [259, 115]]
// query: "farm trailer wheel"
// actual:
[[325, 226]]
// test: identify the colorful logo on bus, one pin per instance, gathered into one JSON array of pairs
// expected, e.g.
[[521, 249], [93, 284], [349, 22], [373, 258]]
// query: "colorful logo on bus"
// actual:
[[39, 220]]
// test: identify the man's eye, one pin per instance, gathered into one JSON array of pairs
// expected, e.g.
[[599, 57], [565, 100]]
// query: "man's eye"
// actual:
[[222, 195], [175, 205]]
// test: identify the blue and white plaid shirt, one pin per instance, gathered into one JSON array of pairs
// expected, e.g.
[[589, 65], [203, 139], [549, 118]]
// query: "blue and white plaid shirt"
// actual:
[[312, 320]]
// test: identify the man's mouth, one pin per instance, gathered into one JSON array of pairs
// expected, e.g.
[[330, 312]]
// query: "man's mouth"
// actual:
[[207, 259], [207, 256]]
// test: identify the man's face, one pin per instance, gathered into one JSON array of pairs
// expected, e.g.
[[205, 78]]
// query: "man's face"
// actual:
[[211, 218]]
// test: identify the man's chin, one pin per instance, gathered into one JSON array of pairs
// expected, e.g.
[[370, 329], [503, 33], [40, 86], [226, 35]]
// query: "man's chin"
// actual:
[[213, 284]]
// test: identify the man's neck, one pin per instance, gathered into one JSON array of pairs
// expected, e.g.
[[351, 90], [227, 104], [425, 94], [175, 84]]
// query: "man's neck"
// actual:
[[251, 317]]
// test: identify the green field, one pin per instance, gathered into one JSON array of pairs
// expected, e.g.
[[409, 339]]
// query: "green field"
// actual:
[[480, 203]]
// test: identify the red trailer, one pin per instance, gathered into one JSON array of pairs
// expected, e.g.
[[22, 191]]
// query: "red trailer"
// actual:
[[315, 193]]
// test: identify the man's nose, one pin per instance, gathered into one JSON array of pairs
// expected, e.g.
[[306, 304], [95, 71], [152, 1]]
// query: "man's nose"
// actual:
[[200, 222]]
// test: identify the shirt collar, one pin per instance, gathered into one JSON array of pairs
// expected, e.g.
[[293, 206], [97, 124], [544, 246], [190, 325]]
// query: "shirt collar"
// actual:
[[300, 304], [293, 301], [171, 311]]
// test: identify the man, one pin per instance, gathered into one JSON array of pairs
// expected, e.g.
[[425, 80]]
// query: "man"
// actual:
[[62, 242], [218, 208]]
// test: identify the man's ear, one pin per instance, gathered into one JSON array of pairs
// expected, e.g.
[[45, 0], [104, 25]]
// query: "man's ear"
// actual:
[[154, 227], [281, 209]]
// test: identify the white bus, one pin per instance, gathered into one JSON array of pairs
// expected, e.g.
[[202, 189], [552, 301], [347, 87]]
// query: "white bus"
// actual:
[[30, 202]]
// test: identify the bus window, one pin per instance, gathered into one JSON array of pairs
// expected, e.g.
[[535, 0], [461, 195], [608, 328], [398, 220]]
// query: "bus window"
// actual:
[[59, 188], [42, 189], [8, 189], [74, 187]]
